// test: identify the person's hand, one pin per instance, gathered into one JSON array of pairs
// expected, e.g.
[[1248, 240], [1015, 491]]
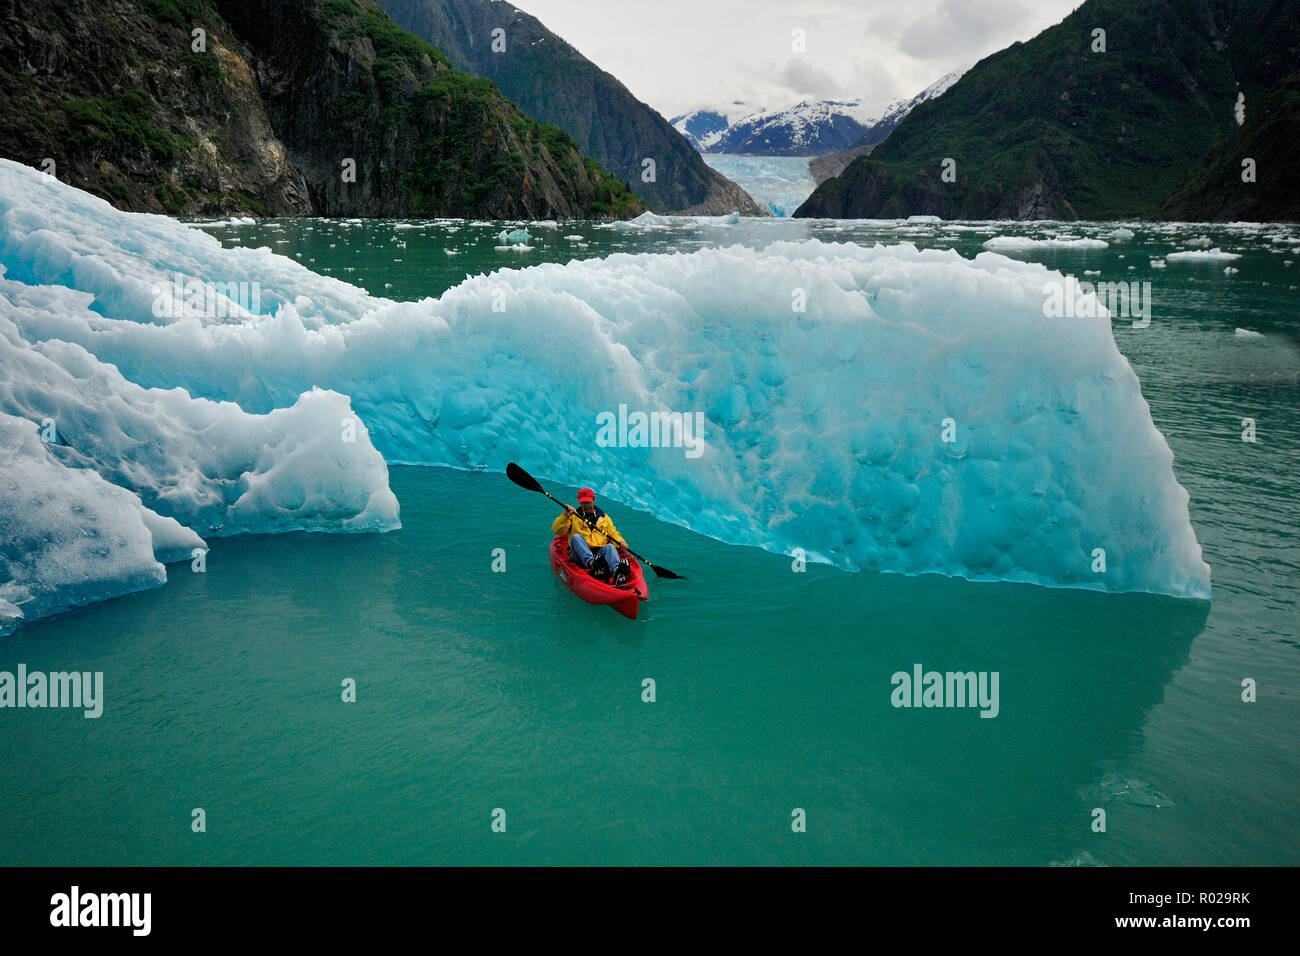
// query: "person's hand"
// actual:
[[570, 509]]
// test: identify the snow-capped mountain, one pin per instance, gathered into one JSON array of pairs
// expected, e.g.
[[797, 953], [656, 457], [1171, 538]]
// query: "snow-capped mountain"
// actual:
[[895, 111], [704, 128], [809, 128]]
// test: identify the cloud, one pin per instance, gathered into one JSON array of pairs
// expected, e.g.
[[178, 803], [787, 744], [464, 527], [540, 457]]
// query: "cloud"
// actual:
[[804, 79], [679, 55], [954, 27]]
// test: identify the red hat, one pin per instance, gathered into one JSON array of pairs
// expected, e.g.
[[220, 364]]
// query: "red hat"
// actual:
[[586, 494]]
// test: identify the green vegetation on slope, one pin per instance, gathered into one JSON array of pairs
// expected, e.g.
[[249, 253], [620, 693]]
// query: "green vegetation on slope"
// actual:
[[1217, 189], [1054, 129], [475, 152], [125, 119], [259, 122], [554, 83]]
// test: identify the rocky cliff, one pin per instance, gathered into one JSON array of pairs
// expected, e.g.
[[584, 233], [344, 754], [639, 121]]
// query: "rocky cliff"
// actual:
[[275, 107], [554, 83]]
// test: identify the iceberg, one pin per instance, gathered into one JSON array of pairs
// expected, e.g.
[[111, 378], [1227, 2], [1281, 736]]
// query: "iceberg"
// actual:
[[1005, 243], [105, 481], [649, 221], [1202, 255], [881, 408], [67, 536]]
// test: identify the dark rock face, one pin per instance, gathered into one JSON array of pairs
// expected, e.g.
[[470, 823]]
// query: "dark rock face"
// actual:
[[825, 167], [262, 117], [554, 83], [1054, 129], [115, 97], [1219, 189]]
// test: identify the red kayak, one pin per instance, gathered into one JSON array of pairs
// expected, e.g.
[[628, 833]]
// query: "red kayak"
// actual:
[[626, 599]]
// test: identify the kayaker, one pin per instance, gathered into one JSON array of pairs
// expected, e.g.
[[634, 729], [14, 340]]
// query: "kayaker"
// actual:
[[591, 539]]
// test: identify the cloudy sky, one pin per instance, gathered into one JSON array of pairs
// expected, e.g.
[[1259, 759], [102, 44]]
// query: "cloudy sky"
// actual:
[[679, 55]]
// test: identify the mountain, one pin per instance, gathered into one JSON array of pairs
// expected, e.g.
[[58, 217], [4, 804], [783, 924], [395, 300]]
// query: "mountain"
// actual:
[[554, 83], [1049, 129], [264, 118], [832, 164], [701, 128], [809, 128], [894, 113]]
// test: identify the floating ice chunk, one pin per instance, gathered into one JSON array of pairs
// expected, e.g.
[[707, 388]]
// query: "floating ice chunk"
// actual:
[[647, 220], [1197, 255], [730, 219], [1249, 334], [924, 219], [1013, 243], [1120, 232], [652, 221], [232, 221]]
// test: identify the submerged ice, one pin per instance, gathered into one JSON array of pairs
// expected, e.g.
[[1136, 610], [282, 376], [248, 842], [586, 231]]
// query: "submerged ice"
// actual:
[[879, 408]]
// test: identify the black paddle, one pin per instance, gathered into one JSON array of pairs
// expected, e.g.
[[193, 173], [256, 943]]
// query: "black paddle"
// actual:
[[526, 481]]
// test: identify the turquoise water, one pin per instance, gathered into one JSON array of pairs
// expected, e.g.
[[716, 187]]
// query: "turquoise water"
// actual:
[[479, 690]]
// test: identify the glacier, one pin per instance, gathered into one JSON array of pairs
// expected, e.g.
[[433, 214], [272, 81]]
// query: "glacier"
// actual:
[[880, 408], [781, 183]]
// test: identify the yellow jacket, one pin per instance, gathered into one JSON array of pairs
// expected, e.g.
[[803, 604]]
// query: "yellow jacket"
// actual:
[[567, 524]]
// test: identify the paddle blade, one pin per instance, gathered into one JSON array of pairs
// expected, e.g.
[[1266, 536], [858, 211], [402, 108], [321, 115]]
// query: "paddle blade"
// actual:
[[522, 478], [665, 573]]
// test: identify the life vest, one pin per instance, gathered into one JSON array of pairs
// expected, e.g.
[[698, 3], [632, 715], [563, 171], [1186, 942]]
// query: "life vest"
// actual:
[[597, 537]]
